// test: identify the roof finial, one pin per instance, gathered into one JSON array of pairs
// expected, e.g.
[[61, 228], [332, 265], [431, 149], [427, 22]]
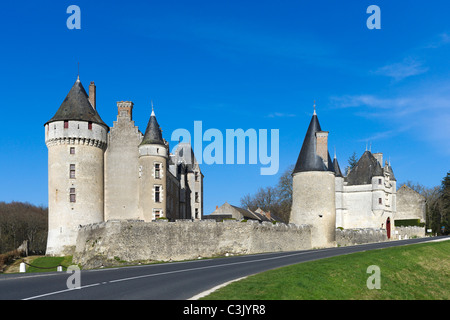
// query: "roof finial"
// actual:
[[334, 152], [153, 111], [314, 107], [78, 74]]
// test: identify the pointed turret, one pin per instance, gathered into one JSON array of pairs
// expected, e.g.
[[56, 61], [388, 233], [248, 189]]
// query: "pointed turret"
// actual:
[[153, 159], [313, 187], [76, 106], [153, 133], [314, 155], [337, 169]]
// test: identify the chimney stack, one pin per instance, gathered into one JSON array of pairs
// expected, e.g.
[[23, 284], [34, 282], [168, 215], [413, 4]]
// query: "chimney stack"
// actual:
[[92, 92], [125, 109], [322, 145], [379, 157]]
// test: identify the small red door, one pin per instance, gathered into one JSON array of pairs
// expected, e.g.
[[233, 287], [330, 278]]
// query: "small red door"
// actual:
[[388, 227]]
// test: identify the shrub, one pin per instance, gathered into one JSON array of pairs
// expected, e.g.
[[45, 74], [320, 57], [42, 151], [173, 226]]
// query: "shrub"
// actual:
[[8, 258]]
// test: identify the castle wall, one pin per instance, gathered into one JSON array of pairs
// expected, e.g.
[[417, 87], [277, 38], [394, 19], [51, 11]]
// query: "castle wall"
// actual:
[[339, 188], [408, 232], [104, 243], [358, 204], [350, 237], [122, 170], [410, 204]]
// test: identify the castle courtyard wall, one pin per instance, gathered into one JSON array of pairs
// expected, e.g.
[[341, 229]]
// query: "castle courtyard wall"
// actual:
[[107, 242], [350, 237]]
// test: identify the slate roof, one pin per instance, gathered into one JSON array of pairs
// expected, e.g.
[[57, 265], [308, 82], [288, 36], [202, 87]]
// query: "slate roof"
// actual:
[[153, 133], [366, 168], [76, 106], [388, 168], [308, 160], [337, 169]]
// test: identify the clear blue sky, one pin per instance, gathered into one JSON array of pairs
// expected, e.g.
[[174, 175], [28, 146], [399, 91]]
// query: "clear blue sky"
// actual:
[[233, 64]]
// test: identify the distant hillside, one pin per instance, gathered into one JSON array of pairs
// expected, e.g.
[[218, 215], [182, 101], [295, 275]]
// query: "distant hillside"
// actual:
[[21, 221]]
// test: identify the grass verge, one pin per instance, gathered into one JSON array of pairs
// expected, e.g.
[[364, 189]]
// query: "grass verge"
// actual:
[[48, 264], [413, 272]]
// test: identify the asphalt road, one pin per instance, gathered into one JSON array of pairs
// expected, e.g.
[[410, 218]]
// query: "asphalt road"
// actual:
[[167, 281]]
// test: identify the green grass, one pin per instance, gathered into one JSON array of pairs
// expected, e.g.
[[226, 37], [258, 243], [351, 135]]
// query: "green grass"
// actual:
[[413, 272], [42, 264]]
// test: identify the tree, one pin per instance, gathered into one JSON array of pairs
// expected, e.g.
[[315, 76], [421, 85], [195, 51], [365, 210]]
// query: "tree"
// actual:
[[352, 161], [444, 204], [22, 221], [277, 200]]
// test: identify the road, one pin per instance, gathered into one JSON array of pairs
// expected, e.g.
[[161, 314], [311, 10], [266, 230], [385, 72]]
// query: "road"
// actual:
[[166, 281]]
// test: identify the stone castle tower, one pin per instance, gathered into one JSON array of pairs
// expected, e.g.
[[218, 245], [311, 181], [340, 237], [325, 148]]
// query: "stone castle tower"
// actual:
[[325, 199], [153, 156], [313, 189], [97, 173], [76, 141]]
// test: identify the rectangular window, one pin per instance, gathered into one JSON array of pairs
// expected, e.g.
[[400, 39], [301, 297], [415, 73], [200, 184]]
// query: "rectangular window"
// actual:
[[72, 150], [156, 214], [196, 176], [157, 171], [380, 201], [379, 181], [66, 124], [72, 195], [196, 197], [196, 213], [157, 194], [90, 125], [72, 171]]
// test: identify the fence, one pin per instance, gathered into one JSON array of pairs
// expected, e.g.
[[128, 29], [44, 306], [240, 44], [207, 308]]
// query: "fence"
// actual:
[[23, 264]]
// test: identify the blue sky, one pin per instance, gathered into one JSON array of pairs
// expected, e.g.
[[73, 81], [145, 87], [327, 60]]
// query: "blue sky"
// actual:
[[233, 64]]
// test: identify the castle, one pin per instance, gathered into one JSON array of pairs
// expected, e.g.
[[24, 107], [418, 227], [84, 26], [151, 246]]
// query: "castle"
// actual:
[[325, 199], [106, 185], [97, 173]]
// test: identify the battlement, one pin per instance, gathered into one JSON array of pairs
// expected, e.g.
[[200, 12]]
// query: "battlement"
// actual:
[[75, 132]]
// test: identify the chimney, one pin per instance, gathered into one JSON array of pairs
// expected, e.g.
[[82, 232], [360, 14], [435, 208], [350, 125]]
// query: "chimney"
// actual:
[[379, 157], [125, 109], [322, 145], [92, 91]]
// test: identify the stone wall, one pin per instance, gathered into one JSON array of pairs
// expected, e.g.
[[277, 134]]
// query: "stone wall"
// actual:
[[410, 204], [108, 242], [349, 237], [402, 233]]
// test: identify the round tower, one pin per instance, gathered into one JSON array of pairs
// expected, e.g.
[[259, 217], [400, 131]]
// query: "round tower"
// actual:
[[313, 189], [76, 142], [153, 155]]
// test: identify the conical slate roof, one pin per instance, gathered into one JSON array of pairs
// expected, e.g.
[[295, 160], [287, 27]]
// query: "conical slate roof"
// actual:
[[337, 169], [153, 134], [308, 160], [388, 169], [366, 168], [76, 106]]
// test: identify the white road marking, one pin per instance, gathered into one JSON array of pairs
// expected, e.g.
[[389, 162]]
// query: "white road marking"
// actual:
[[168, 272]]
